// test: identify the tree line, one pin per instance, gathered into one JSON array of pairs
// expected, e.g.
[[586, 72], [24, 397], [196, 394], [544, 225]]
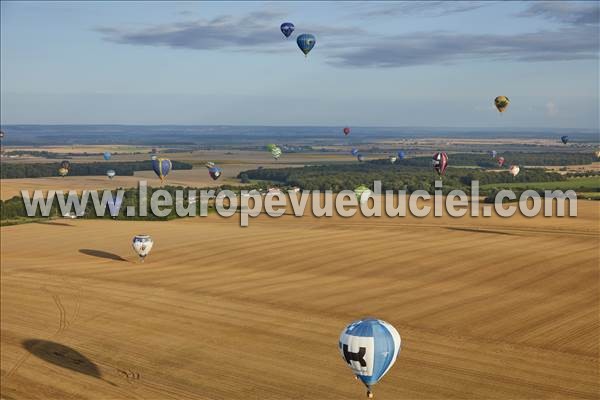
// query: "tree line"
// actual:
[[39, 170]]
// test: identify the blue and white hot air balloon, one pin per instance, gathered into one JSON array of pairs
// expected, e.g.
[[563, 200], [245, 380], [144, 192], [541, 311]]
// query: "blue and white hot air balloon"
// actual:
[[401, 155], [370, 348], [161, 167], [354, 152], [107, 155], [306, 42]]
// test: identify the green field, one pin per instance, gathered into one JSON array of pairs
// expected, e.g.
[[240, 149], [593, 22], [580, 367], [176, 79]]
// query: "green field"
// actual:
[[584, 184]]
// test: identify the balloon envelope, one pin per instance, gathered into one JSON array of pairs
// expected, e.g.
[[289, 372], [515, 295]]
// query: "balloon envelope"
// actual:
[[65, 164], [494, 153], [142, 244], [501, 102], [393, 159], [360, 158], [111, 173], [500, 161], [287, 28], [346, 131], [370, 348], [514, 170], [354, 152], [107, 155], [362, 193], [276, 152], [401, 155], [161, 167], [214, 173], [440, 162], [564, 139], [306, 42], [63, 171]]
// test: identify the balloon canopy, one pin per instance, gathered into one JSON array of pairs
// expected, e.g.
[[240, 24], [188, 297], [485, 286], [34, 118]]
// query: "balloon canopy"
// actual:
[[501, 102], [161, 167], [370, 348], [287, 28], [306, 42], [440, 162], [142, 244]]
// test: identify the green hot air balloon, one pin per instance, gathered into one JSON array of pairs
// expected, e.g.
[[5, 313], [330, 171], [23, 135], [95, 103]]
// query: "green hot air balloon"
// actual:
[[362, 193]]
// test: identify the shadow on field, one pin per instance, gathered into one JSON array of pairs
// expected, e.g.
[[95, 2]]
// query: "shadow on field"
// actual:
[[476, 230], [63, 356], [53, 223], [102, 254]]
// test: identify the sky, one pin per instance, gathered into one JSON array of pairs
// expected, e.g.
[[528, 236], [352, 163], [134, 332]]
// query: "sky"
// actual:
[[429, 64]]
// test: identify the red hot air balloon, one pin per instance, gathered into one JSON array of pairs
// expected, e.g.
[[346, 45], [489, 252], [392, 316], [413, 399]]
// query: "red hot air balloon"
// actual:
[[346, 131], [440, 162]]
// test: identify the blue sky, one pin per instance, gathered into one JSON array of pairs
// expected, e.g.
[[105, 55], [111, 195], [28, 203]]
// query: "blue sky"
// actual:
[[375, 64]]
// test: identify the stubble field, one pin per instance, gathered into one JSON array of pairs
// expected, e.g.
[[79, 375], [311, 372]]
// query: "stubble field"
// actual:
[[487, 308]]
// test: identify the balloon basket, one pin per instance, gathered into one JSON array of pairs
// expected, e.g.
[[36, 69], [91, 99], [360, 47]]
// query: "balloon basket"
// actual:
[[369, 394]]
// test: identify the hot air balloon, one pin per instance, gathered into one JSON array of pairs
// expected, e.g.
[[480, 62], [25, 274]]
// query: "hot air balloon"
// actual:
[[111, 173], [275, 151], [500, 161], [362, 193], [393, 159], [161, 167], [514, 170], [494, 153], [214, 172], [501, 102], [354, 152], [440, 162], [107, 155], [287, 28], [597, 153], [370, 348], [209, 164], [1, 134], [155, 150], [346, 131], [306, 42], [63, 171], [564, 139], [65, 164], [142, 244], [401, 155], [360, 157]]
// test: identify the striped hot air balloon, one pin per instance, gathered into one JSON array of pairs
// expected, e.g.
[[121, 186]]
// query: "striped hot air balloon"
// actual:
[[440, 162], [161, 167], [370, 348]]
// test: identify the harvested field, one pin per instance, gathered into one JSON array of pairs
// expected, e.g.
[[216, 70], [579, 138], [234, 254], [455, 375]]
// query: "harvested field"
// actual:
[[487, 308]]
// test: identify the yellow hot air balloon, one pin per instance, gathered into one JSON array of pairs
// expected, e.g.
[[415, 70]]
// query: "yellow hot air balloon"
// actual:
[[501, 102]]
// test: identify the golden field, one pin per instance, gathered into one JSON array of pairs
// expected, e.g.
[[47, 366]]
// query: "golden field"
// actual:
[[486, 307]]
